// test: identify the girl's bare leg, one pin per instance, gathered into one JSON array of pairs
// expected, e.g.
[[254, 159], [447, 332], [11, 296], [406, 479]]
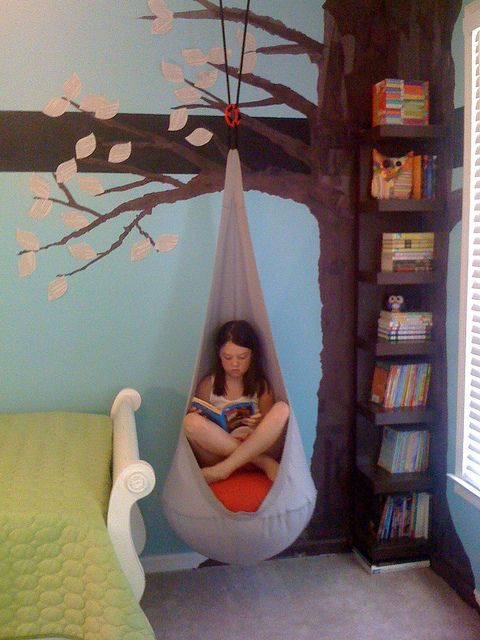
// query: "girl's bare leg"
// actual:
[[253, 449], [209, 442]]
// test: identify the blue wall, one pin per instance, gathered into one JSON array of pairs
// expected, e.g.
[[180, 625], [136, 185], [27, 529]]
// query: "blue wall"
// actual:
[[466, 517], [137, 324]]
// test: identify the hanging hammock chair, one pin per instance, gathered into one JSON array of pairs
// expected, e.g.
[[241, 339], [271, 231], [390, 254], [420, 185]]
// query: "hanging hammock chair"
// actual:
[[191, 508]]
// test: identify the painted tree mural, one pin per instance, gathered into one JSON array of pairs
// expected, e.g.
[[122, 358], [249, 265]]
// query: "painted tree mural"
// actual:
[[364, 41]]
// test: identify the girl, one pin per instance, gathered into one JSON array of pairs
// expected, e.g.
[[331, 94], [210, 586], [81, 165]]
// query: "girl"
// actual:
[[238, 375]]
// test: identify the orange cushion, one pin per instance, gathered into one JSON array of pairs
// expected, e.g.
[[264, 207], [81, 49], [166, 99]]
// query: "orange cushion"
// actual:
[[242, 491]]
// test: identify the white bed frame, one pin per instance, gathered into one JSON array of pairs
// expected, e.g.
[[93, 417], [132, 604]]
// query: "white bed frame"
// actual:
[[132, 479]]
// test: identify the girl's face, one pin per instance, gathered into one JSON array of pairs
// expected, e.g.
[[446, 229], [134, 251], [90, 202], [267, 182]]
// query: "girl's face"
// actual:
[[235, 360]]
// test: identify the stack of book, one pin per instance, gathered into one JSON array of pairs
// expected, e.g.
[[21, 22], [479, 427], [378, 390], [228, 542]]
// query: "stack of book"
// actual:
[[407, 251], [404, 451], [405, 516], [400, 385], [424, 176], [398, 101], [396, 326]]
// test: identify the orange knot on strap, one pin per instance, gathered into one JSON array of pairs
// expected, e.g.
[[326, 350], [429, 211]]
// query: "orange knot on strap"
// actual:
[[232, 115]]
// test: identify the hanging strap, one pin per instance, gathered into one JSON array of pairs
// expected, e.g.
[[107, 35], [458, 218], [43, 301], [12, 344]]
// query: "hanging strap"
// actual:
[[232, 111]]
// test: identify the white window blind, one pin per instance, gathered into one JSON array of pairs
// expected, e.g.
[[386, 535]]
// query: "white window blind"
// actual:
[[468, 406]]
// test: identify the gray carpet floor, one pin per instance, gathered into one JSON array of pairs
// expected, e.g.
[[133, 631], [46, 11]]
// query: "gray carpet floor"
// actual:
[[308, 598]]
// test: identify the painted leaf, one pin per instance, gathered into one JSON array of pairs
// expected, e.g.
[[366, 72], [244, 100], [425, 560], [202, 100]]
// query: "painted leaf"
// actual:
[[188, 95], [158, 7], [216, 56], [93, 186], [92, 102], [250, 40], [27, 263], [39, 186], [56, 107], [120, 152], [107, 110], [249, 62], [172, 72], [85, 146], [65, 171], [57, 288], [140, 249], [194, 57], [199, 137], [72, 87], [206, 79], [74, 220], [178, 119], [40, 209], [82, 251], [27, 240], [166, 242], [162, 25]]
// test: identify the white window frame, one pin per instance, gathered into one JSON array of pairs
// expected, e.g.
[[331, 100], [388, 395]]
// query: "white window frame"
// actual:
[[465, 484]]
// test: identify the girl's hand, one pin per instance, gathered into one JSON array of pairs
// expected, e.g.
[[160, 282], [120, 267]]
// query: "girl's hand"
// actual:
[[252, 421], [193, 409]]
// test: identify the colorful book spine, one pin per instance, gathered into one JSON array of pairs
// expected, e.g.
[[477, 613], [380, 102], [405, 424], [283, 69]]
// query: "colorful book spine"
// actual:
[[397, 101], [405, 516], [407, 251], [404, 451], [400, 385]]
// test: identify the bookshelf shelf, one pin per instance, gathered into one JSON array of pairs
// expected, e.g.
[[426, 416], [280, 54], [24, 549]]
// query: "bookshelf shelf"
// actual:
[[392, 550], [400, 278], [376, 414], [396, 205], [379, 347], [381, 481], [401, 131], [422, 291]]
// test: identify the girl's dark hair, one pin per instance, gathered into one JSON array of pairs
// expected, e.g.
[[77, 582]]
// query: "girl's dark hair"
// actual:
[[241, 333]]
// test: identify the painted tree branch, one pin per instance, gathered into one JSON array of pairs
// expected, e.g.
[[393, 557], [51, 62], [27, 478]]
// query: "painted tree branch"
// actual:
[[280, 92], [290, 145], [220, 105], [201, 184], [282, 49], [158, 141], [72, 203], [97, 163], [294, 147], [118, 243], [274, 27]]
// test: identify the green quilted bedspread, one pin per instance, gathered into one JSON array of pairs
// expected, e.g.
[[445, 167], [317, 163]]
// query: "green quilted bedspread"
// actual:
[[59, 575]]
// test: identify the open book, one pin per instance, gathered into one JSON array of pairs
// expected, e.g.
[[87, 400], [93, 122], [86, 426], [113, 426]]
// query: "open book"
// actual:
[[230, 417]]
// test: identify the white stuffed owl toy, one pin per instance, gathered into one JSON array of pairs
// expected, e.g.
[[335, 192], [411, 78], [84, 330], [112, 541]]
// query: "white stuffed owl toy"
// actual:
[[395, 303]]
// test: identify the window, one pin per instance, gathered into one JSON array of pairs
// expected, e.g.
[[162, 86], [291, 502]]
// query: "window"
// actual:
[[467, 471]]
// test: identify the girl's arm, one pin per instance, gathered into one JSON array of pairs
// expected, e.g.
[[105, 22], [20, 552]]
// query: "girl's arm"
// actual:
[[265, 403], [204, 388], [202, 391]]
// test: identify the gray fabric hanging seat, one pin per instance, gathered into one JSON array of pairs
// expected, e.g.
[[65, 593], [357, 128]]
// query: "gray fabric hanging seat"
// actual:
[[191, 508]]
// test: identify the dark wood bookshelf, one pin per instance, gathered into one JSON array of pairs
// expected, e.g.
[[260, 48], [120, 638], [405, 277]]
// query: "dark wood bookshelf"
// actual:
[[423, 290]]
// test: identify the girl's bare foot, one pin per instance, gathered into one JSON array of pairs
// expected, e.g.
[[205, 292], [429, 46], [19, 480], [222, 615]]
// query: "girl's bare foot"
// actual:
[[215, 473], [221, 470], [268, 465]]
